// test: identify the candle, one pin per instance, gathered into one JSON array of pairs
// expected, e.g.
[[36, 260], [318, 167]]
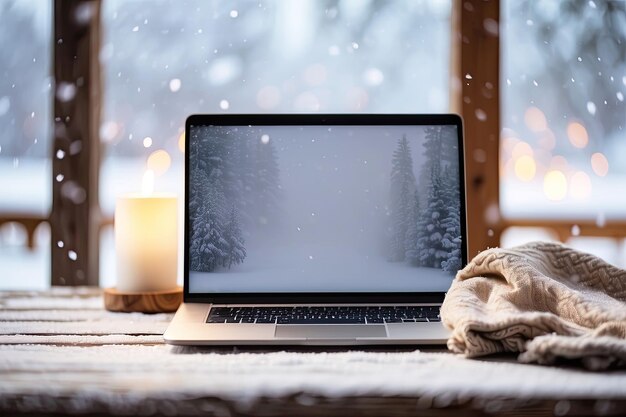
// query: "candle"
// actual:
[[146, 242]]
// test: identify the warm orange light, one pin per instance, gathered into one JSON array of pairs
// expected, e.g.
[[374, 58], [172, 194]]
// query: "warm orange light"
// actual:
[[555, 185], [577, 135], [599, 164], [580, 186], [507, 144], [559, 162], [525, 168], [535, 120], [159, 162], [520, 149], [181, 142]]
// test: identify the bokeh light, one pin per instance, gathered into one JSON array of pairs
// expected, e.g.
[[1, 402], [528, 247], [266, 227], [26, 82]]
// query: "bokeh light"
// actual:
[[580, 186], [181, 142], [535, 120], [159, 162], [555, 185], [521, 149], [525, 168], [559, 162], [577, 135], [599, 164]]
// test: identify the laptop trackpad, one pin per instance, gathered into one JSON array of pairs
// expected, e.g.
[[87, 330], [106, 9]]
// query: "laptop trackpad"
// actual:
[[329, 331]]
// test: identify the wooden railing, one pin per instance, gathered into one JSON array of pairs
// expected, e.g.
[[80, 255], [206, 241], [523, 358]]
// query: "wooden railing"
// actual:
[[29, 222]]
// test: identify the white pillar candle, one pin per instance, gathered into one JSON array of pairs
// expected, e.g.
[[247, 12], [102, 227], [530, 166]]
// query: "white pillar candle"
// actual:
[[146, 242]]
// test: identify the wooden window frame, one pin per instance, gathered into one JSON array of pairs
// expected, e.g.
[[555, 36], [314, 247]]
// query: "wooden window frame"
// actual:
[[475, 94], [75, 217]]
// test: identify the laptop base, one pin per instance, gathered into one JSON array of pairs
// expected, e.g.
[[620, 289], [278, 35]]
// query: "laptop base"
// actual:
[[189, 327]]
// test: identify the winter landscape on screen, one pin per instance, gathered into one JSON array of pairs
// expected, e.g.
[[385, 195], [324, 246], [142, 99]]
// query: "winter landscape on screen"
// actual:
[[323, 209]]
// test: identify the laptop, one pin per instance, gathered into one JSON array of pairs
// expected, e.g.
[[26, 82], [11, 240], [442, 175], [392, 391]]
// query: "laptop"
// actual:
[[320, 229]]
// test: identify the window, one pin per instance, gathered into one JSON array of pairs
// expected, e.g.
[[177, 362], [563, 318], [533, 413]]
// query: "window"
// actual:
[[168, 59], [25, 120], [563, 144]]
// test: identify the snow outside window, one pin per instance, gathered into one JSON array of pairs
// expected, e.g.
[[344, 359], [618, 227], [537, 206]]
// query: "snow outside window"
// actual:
[[166, 59], [25, 121], [563, 143]]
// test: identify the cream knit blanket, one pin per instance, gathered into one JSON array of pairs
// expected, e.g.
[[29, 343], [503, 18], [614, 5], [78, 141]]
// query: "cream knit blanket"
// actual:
[[544, 300]]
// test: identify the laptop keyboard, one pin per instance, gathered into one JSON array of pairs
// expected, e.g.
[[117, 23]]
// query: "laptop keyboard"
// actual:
[[324, 315]]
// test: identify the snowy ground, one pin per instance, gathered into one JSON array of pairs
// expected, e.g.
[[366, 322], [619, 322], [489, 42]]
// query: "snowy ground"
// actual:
[[318, 269]]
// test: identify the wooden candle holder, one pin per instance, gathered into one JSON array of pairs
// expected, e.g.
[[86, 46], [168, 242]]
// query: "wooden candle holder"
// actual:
[[143, 302]]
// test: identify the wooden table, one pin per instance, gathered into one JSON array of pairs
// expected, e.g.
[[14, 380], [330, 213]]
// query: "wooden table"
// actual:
[[61, 353]]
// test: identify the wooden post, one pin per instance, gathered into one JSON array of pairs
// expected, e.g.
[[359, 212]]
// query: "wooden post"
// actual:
[[475, 87], [75, 215]]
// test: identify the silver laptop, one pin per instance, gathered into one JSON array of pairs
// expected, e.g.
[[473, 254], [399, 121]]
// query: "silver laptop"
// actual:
[[320, 229]]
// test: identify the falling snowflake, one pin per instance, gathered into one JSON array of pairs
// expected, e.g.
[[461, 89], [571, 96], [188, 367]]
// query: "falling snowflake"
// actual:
[[66, 91], [224, 104], [591, 107], [175, 84]]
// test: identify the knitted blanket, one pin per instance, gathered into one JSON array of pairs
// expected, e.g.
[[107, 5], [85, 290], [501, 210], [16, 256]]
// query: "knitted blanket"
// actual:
[[545, 300]]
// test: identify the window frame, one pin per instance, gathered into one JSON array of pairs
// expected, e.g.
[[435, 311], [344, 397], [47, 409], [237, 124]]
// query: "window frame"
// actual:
[[475, 51]]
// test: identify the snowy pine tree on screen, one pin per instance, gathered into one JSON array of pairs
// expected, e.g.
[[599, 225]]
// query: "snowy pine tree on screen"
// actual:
[[402, 198], [235, 249], [216, 238], [431, 229], [452, 222], [436, 222], [235, 186], [213, 244], [197, 214], [412, 233]]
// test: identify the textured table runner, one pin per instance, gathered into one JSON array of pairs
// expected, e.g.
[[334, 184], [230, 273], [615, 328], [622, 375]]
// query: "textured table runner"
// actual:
[[59, 351]]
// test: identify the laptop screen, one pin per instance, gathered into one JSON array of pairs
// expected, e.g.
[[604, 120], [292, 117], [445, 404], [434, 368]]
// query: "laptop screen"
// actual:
[[318, 208]]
